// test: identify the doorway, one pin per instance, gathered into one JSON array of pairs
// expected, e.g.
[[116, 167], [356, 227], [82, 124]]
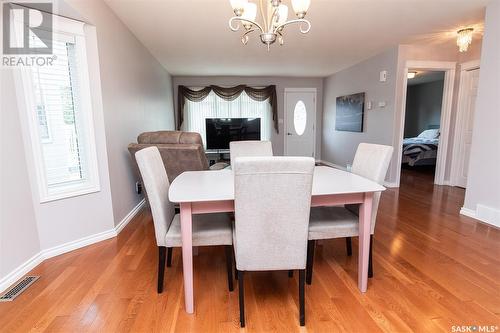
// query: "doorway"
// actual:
[[300, 121], [444, 124], [424, 100]]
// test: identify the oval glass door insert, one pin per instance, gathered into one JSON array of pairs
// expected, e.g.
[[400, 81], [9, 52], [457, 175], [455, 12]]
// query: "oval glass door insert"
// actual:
[[300, 118]]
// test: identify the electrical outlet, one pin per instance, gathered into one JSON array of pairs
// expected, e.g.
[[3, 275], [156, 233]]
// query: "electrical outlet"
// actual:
[[138, 187]]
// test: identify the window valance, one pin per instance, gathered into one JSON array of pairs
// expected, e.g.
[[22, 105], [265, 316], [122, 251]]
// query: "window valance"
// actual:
[[228, 94]]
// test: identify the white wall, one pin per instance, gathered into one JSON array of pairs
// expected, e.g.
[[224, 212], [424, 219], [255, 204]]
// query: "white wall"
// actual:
[[280, 82], [18, 229], [136, 95], [482, 196], [339, 147]]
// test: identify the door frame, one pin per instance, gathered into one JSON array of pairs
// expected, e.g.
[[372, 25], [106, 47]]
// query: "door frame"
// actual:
[[285, 115], [460, 121], [446, 108]]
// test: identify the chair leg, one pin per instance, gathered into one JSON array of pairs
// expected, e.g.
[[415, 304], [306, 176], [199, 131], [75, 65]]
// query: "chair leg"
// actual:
[[348, 246], [229, 264], [161, 267], [310, 260], [290, 273], [169, 257], [370, 260], [302, 312], [242, 298]]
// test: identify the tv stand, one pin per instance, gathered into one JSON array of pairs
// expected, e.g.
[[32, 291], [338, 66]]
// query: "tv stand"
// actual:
[[217, 155]]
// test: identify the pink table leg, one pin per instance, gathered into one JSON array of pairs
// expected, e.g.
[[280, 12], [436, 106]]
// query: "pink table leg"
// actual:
[[187, 255], [365, 214]]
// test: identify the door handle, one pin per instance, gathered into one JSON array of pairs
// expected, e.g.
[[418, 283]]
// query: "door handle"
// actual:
[[289, 133]]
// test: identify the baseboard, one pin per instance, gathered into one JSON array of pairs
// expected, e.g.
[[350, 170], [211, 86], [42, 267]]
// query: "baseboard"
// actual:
[[468, 212], [20, 271], [77, 244], [38, 258], [484, 214], [123, 223]]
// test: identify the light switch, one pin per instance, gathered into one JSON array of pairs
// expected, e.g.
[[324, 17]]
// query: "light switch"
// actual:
[[369, 105], [382, 104], [383, 76]]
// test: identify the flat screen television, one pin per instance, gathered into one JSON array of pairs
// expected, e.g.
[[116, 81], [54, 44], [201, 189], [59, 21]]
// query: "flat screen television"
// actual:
[[221, 131]]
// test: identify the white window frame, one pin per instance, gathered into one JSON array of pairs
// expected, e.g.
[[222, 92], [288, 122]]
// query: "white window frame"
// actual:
[[74, 31]]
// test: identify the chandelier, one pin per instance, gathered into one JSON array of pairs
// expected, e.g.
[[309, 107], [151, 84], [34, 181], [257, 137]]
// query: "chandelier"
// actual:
[[464, 39], [274, 16]]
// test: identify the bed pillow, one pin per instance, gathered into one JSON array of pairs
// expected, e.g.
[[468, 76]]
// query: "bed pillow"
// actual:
[[429, 134]]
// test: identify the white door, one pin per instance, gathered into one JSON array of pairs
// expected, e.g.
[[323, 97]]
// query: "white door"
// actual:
[[300, 122], [469, 99]]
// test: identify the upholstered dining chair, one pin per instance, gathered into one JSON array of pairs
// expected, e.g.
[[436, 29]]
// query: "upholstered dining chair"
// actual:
[[276, 189], [249, 148], [208, 229], [370, 161]]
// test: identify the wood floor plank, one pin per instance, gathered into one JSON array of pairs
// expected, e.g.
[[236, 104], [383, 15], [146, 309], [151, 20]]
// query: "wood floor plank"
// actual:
[[433, 269]]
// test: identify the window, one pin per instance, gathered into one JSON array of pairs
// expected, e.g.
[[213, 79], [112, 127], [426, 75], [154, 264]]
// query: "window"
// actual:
[[299, 117], [59, 115], [213, 106]]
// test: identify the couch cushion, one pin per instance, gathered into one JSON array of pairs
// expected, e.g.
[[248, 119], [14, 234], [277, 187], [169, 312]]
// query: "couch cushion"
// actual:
[[169, 137]]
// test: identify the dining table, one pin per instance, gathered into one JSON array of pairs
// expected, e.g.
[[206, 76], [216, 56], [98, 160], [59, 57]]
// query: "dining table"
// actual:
[[212, 191]]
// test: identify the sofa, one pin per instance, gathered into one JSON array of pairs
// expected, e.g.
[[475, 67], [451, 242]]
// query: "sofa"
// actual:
[[180, 151]]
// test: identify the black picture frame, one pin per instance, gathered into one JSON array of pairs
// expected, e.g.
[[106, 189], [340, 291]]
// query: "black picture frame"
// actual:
[[350, 111]]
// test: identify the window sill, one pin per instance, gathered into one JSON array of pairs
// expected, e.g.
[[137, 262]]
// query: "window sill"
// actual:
[[69, 194]]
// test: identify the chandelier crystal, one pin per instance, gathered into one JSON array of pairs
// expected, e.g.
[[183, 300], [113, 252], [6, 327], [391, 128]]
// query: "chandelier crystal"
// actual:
[[274, 19], [464, 39]]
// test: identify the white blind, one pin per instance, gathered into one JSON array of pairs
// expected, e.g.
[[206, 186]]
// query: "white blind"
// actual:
[[56, 100], [213, 106]]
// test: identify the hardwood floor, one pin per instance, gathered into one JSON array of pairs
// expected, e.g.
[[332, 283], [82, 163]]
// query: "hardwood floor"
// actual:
[[432, 269]]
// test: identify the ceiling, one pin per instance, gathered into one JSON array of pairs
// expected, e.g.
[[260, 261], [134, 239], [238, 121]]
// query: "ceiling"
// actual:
[[192, 37]]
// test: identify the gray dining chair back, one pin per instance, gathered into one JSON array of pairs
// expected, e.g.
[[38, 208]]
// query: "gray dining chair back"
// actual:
[[249, 149], [272, 201], [207, 229], [372, 161], [156, 185]]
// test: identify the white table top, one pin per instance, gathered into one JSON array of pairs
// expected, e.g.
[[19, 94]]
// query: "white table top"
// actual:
[[199, 186]]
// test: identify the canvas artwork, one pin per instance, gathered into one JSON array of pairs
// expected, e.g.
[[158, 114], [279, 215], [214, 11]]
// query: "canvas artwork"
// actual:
[[349, 114]]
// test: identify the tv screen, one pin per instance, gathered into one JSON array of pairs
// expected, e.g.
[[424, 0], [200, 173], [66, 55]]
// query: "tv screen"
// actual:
[[221, 131]]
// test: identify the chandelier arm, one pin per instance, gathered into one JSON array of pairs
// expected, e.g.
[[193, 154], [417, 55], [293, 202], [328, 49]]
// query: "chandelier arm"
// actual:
[[240, 19], [248, 32], [300, 21], [264, 18], [271, 23]]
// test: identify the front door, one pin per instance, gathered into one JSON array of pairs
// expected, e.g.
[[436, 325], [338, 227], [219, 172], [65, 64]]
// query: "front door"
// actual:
[[300, 122], [472, 80]]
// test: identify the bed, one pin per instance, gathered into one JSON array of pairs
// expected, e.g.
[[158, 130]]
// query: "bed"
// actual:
[[421, 150]]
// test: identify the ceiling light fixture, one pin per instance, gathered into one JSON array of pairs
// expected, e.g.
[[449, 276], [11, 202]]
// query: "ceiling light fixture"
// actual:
[[275, 19], [464, 39], [411, 75]]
